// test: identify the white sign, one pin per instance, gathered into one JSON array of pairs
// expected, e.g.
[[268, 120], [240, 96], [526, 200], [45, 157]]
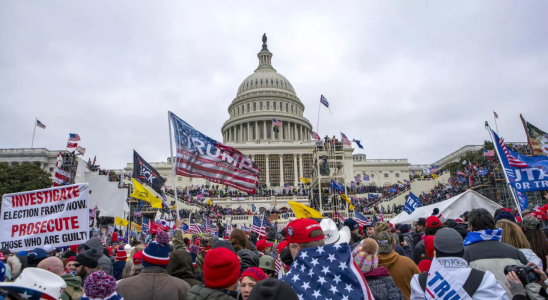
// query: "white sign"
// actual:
[[57, 216], [441, 285]]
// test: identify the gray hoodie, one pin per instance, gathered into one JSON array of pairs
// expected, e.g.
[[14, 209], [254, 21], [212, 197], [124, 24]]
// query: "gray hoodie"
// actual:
[[104, 261]]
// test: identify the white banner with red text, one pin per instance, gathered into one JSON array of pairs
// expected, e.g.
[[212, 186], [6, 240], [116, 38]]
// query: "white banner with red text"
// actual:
[[58, 216]]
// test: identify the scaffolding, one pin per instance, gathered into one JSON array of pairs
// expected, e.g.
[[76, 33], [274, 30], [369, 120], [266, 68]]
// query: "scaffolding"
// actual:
[[69, 164], [328, 165]]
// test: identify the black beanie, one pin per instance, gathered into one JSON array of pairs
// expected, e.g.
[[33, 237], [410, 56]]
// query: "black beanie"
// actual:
[[69, 254], [272, 289], [88, 258], [223, 244]]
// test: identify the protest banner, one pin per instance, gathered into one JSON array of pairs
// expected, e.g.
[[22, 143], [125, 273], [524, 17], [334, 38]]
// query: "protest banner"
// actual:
[[57, 216]]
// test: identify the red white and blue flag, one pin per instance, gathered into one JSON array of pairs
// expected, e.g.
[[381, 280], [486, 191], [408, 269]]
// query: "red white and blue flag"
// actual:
[[194, 228], [73, 137], [487, 153], [365, 177], [203, 157], [345, 139], [257, 226], [276, 123], [315, 136], [513, 161], [72, 145], [361, 219], [381, 216], [40, 124]]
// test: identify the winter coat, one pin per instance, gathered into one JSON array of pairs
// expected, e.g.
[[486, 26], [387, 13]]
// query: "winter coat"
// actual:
[[419, 250], [382, 286], [200, 292], [118, 269], [417, 237], [73, 290], [489, 289], [15, 264], [493, 256], [529, 255], [180, 266], [104, 261], [248, 259], [401, 269], [409, 239], [253, 249], [153, 283]]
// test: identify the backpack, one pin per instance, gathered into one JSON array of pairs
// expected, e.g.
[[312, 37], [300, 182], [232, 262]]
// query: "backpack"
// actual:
[[470, 286]]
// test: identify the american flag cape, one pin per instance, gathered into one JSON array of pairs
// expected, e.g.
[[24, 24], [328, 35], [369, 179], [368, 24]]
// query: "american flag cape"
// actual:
[[257, 226], [328, 272], [203, 157], [345, 139]]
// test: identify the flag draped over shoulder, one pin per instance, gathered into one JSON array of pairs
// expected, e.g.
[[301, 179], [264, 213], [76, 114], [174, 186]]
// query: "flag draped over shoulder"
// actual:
[[140, 192], [146, 173], [201, 156], [327, 272]]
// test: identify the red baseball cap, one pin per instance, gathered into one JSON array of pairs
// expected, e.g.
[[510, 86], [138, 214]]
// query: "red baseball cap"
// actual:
[[433, 222], [298, 231], [281, 246], [262, 244]]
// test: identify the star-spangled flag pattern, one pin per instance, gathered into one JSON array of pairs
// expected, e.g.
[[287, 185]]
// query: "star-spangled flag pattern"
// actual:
[[381, 216], [194, 228], [146, 225], [315, 135], [361, 219], [73, 137], [327, 272], [40, 124], [203, 157], [266, 222], [488, 153], [257, 226], [345, 139], [276, 123]]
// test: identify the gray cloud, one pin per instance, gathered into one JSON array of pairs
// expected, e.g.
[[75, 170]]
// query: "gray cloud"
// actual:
[[410, 79]]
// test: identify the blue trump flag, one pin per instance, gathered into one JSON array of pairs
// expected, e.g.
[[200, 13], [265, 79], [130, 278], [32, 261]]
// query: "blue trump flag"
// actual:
[[524, 173], [411, 203], [337, 186], [392, 190], [483, 172], [522, 200]]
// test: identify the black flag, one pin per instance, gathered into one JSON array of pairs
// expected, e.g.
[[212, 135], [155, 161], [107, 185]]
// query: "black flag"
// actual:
[[144, 172]]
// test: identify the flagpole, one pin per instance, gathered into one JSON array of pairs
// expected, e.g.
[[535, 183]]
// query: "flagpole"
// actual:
[[32, 145], [317, 123], [503, 169], [172, 170], [496, 126]]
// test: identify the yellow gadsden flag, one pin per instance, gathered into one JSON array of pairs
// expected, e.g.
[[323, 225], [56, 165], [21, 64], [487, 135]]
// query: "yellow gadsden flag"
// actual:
[[136, 227], [120, 221], [305, 180], [304, 212], [141, 193], [435, 176], [345, 198]]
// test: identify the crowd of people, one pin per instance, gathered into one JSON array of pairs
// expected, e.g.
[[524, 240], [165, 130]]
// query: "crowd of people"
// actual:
[[476, 256]]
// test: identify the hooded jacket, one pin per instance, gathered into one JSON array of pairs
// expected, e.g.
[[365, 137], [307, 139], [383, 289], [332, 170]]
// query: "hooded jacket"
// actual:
[[401, 269], [489, 289], [200, 292], [180, 266], [248, 259], [74, 287], [382, 286], [177, 241], [104, 261], [153, 283], [529, 255]]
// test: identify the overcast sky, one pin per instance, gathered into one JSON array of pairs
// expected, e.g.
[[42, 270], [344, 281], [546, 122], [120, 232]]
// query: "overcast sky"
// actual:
[[411, 79]]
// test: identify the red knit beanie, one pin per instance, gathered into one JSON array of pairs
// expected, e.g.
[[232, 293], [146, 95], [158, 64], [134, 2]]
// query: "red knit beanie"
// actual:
[[221, 268], [255, 273], [121, 255]]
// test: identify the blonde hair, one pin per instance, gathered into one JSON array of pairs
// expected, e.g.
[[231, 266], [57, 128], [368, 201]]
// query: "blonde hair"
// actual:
[[512, 234], [131, 269]]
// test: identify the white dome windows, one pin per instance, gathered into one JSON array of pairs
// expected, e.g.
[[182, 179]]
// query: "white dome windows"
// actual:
[[281, 106], [248, 106], [274, 105], [254, 106], [261, 106], [267, 105]]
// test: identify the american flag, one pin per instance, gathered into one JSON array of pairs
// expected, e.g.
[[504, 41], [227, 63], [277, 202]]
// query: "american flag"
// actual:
[[207, 225], [74, 137], [39, 124], [381, 216], [459, 173], [229, 227], [315, 135], [137, 213], [361, 219], [338, 215], [329, 272], [257, 226], [513, 161], [487, 153], [194, 228], [72, 145], [266, 222], [203, 157], [276, 123], [496, 116], [278, 264], [245, 228], [345, 139]]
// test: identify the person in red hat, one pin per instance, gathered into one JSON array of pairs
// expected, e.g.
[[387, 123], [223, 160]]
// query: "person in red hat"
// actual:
[[433, 224], [221, 273], [302, 234], [264, 247], [120, 263], [248, 279]]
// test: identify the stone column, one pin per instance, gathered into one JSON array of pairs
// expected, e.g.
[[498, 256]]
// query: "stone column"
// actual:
[[295, 168], [301, 164], [257, 130], [294, 131], [264, 130], [242, 132], [267, 178], [281, 170]]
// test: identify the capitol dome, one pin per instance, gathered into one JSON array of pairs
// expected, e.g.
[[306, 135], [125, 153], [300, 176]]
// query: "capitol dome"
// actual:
[[263, 96]]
